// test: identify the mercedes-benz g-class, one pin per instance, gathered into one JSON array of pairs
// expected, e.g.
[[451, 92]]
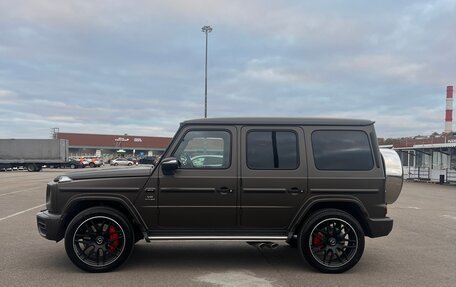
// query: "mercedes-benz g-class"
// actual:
[[320, 185]]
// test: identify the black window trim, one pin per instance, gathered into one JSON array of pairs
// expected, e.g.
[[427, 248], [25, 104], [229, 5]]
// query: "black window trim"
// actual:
[[298, 156], [206, 130], [342, 130], [374, 147]]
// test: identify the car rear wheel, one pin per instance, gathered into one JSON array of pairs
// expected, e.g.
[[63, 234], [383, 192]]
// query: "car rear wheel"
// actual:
[[293, 242], [99, 239], [72, 166], [332, 241]]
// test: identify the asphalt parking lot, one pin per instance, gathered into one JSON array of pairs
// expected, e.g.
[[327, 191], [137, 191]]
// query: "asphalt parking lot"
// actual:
[[420, 251]]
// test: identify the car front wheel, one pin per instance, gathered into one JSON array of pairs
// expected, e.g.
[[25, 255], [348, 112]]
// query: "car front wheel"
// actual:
[[332, 241], [99, 239]]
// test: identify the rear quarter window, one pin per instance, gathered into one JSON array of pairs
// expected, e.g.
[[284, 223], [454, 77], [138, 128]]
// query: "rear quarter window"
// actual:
[[342, 150]]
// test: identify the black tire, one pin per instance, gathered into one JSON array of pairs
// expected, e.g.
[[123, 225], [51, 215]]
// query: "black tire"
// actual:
[[138, 235], [31, 167], [92, 164], [103, 229], [116, 164], [335, 232], [293, 242], [72, 166], [129, 164]]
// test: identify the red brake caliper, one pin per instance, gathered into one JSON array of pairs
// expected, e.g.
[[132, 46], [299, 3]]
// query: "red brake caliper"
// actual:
[[317, 240], [113, 235]]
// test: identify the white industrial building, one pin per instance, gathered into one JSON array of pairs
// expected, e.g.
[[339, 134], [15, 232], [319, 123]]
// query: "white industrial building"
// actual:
[[431, 159]]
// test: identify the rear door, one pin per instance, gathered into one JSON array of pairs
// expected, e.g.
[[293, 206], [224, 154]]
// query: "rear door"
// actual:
[[273, 176]]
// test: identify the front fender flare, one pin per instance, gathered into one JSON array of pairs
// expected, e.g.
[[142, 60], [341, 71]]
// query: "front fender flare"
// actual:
[[117, 198]]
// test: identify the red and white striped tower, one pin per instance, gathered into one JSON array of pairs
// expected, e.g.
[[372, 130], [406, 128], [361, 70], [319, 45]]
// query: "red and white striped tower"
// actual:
[[449, 110]]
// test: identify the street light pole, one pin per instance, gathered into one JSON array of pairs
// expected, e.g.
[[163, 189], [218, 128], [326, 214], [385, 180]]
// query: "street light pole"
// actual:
[[205, 29]]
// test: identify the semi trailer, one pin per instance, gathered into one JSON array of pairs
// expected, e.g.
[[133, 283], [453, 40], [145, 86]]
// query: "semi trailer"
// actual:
[[32, 154]]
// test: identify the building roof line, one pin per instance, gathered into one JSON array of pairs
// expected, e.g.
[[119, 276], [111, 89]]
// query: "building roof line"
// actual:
[[115, 135], [117, 147]]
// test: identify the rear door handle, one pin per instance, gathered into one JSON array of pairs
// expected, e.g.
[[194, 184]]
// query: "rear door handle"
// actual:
[[224, 190], [295, 190]]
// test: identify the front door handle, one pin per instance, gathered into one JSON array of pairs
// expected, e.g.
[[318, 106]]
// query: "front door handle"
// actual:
[[224, 190], [295, 190]]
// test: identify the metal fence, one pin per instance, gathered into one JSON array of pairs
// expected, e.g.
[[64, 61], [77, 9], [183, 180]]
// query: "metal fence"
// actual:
[[429, 174], [450, 175], [418, 173]]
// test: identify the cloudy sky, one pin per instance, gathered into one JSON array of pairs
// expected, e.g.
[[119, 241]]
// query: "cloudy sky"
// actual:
[[137, 67]]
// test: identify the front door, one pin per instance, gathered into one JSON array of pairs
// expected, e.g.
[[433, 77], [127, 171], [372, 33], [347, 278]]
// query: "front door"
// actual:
[[202, 191], [274, 176]]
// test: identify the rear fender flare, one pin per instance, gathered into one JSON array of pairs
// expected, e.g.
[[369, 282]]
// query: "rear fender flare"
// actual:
[[312, 201]]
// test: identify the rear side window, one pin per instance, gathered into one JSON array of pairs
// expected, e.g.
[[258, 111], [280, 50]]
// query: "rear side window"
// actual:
[[342, 150], [272, 150]]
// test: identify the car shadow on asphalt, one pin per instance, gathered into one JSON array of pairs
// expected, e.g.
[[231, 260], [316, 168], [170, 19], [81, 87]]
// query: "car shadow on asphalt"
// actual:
[[216, 256]]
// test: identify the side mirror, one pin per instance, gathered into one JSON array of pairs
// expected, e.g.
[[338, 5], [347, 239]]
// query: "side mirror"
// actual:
[[169, 165]]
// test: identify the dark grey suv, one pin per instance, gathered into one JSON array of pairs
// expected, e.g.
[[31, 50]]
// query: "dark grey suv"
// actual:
[[321, 185]]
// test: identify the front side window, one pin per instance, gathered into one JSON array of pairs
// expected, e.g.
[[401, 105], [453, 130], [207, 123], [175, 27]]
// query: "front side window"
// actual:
[[342, 150], [272, 150], [204, 150]]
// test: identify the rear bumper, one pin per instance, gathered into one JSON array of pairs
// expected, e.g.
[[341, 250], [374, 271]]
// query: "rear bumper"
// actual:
[[49, 225], [379, 227]]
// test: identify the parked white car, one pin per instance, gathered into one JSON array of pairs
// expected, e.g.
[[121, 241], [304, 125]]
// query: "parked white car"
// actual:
[[207, 161], [121, 161]]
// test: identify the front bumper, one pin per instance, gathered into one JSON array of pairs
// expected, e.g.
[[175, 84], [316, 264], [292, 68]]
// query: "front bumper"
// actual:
[[379, 227], [50, 225]]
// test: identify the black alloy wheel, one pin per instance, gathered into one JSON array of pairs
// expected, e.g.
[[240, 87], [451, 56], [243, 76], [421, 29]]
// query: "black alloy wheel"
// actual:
[[99, 239], [332, 241]]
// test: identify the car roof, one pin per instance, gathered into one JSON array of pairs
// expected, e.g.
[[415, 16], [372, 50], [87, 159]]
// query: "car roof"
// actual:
[[280, 121]]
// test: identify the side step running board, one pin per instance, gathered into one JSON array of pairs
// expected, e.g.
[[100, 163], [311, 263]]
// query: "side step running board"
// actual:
[[219, 238]]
